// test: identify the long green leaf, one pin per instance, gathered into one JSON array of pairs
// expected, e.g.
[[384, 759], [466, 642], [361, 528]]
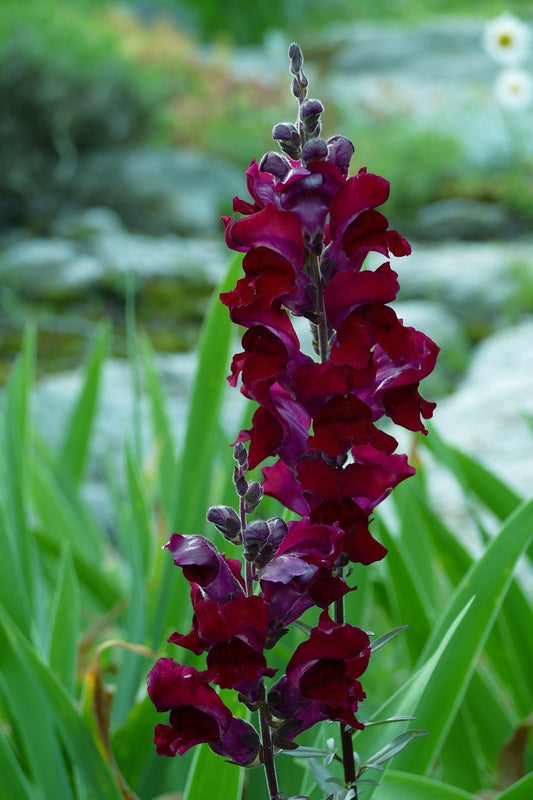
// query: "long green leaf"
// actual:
[[474, 477], [522, 790], [65, 623], [204, 410], [59, 506], [31, 715], [14, 782], [43, 706], [402, 786], [192, 493], [77, 434], [406, 700], [15, 449], [211, 778], [487, 583]]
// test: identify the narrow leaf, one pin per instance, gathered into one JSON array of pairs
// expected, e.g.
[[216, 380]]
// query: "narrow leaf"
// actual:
[[77, 436], [14, 782], [522, 790], [229, 778], [65, 624], [402, 786], [42, 694]]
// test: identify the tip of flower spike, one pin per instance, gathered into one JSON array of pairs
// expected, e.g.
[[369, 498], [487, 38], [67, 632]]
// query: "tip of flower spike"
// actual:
[[296, 58]]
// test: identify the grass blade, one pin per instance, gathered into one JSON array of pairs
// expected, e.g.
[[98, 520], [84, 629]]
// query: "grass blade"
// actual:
[[65, 624], [77, 436], [402, 786], [208, 768], [485, 586], [521, 790], [48, 708], [14, 782]]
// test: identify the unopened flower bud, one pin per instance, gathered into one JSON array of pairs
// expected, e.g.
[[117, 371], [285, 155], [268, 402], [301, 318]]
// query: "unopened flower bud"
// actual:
[[240, 454], [227, 521], [253, 496], [241, 484], [262, 539], [340, 152], [286, 134], [296, 88], [310, 112], [255, 535], [314, 150], [296, 58], [275, 165]]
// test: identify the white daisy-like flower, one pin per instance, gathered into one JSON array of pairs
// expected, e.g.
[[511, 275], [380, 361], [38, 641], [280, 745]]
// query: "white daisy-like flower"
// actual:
[[507, 39], [514, 89]]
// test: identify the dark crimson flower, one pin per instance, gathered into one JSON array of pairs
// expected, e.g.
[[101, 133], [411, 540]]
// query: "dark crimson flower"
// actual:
[[233, 634], [326, 667], [197, 714], [202, 564], [280, 428], [300, 574]]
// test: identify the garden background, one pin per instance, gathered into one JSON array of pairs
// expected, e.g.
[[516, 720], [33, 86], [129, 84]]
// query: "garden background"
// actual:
[[125, 130]]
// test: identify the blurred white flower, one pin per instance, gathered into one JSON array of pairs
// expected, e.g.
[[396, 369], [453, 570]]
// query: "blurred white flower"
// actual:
[[506, 39], [514, 89]]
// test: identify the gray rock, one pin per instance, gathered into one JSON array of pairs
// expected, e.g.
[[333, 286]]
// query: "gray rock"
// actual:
[[463, 218], [428, 49], [160, 191], [48, 267], [99, 252], [476, 281]]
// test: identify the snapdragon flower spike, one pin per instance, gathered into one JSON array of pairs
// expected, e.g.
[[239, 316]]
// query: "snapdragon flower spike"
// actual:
[[305, 233], [306, 236]]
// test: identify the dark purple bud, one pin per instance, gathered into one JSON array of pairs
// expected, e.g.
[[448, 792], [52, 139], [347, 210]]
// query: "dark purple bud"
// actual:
[[340, 152], [240, 454], [296, 58], [241, 484], [310, 112], [262, 539], [314, 150], [275, 165], [253, 496], [254, 536], [286, 134], [227, 521], [296, 88]]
